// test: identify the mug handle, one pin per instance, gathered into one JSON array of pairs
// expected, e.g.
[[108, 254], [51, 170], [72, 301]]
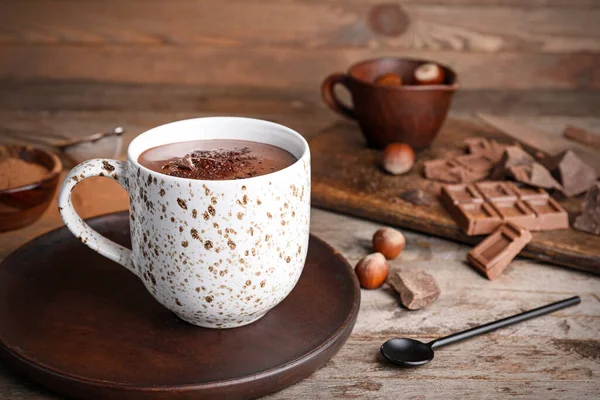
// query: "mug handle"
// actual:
[[114, 169], [329, 97]]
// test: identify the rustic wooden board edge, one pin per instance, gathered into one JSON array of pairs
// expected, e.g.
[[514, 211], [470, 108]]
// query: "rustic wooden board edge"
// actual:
[[329, 198]]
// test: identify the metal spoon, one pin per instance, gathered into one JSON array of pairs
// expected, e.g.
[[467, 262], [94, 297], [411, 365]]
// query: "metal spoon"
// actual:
[[76, 149], [412, 353]]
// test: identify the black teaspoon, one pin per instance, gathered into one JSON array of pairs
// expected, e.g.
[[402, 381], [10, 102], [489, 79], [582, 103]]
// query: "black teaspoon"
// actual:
[[412, 353]]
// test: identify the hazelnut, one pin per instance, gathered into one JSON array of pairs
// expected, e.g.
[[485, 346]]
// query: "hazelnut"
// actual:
[[389, 79], [429, 74], [389, 242], [398, 158], [372, 271]]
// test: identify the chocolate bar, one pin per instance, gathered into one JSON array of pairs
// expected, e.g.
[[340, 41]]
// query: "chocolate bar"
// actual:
[[497, 190], [494, 253], [517, 212], [482, 207], [476, 218], [528, 193], [550, 214], [456, 194]]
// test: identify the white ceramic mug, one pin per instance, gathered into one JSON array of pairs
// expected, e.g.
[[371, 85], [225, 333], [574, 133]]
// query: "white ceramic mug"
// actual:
[[219, 254]]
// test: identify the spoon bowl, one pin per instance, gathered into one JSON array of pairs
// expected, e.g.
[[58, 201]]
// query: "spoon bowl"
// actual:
[[407, 352]]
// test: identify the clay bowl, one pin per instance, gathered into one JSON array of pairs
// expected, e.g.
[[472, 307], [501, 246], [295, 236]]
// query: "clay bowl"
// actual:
[[21, 206], [408, 113]]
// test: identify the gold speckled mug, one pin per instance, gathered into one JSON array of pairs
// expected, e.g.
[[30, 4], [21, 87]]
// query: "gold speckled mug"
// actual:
[[219, 254]]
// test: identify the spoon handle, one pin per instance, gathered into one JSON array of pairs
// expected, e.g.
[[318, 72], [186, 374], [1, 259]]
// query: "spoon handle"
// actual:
[[492, 326]]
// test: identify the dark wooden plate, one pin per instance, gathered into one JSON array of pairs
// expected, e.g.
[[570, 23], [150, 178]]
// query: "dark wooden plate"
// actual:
[[85, 327]]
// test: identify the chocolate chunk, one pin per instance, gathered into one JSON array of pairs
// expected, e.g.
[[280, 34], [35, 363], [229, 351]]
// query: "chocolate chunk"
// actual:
[[513, 156], [454, 171], [417, 197], [487, 147], [516, 163], [589, 220], [186, 162], [535, 175], [417, 288], [574, 175], [494, 253], [442, 170]]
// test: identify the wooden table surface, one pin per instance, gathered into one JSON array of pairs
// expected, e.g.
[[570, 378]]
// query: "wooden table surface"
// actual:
[[556, 356]]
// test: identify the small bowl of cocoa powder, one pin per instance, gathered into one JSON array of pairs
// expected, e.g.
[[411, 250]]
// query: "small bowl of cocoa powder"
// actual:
[[28, 180]]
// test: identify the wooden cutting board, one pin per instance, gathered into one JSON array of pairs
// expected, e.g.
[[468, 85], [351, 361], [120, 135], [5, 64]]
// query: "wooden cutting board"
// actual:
[[347, 179]]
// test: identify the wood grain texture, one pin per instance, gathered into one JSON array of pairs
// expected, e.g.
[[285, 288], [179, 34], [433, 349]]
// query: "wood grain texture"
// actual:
[[268, 67], [301, 24], [70, 95], [347, 178], [556, 355]]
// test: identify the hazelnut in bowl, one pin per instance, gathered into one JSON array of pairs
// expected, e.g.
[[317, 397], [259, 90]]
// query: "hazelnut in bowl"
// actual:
[[395, 100], [28, 180]]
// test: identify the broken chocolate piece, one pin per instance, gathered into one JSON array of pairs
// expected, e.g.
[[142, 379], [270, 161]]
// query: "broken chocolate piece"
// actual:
[[534, 175], [487, 147], [589, 220], [462, 169], [516, 163], [574, 175], [443, 170], [475, 162], [417, 197], [186, 162], [417, 288], [513, 156], [494, 253]]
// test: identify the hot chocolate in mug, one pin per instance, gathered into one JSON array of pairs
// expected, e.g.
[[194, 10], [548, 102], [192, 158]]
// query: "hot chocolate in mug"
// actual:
[[218, 253]]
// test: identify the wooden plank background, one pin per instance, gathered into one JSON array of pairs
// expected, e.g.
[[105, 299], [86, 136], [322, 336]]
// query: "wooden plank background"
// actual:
[[79, 66], [293, 44]]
